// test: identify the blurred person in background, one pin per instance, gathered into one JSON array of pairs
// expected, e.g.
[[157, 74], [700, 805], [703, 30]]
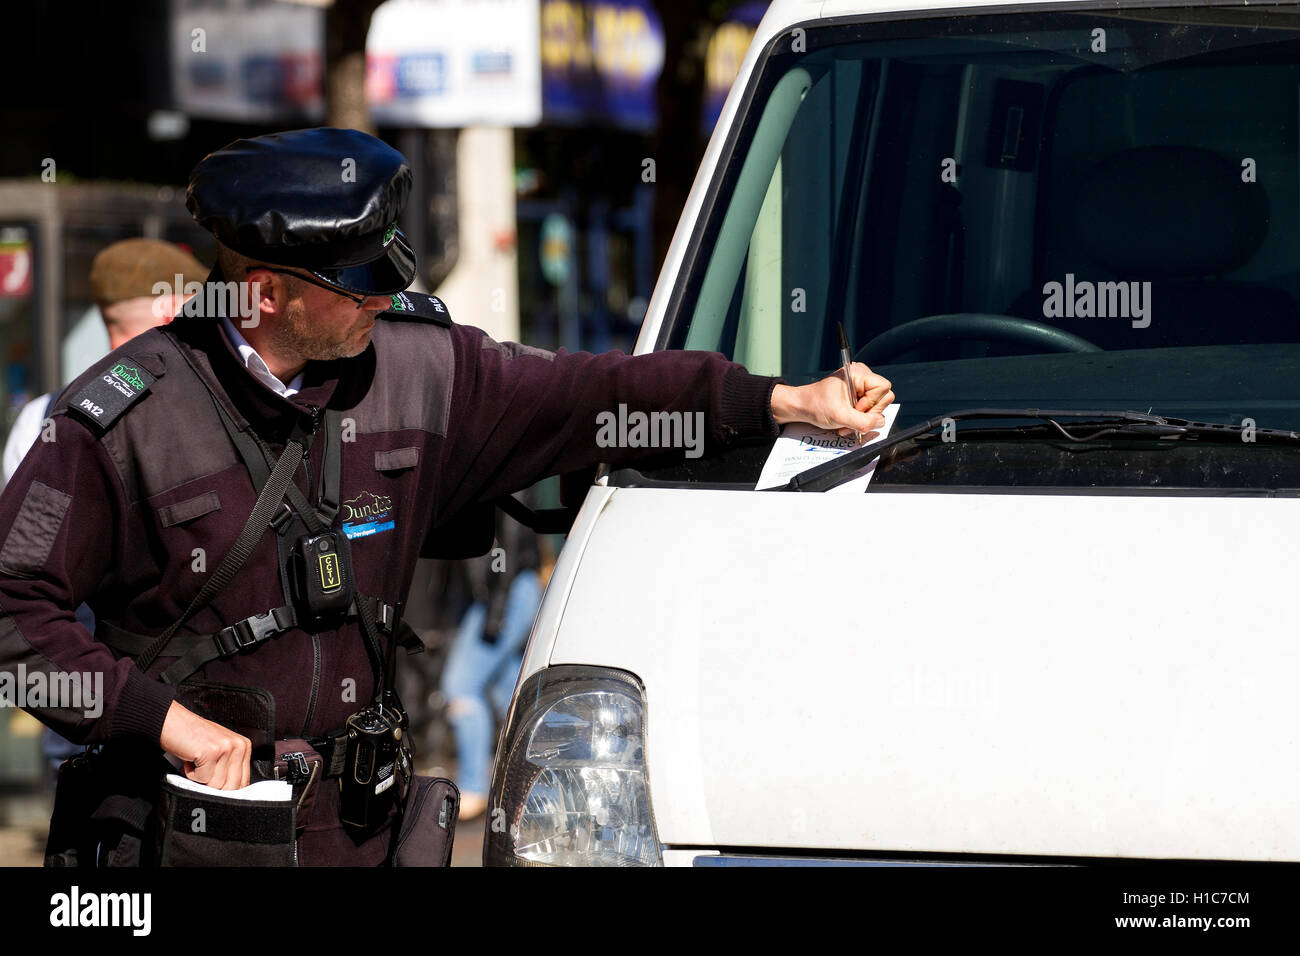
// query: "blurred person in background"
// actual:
[[122, 281], [485, 658]]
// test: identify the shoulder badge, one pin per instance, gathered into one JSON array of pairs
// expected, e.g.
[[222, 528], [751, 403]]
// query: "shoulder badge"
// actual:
[[103, 400], [419, 307]]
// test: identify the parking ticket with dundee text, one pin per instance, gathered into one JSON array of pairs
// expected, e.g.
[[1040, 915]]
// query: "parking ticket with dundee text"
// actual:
[[801, 446]]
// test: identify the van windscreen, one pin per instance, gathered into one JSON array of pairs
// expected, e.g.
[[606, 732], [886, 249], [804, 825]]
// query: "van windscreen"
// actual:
[[1044, 209]]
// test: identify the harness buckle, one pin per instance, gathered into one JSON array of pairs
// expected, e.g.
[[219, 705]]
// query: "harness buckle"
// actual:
[[282, 518], [255, 629]]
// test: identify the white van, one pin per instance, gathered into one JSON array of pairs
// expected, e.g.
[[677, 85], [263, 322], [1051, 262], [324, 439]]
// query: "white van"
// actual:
[[1057, 625]]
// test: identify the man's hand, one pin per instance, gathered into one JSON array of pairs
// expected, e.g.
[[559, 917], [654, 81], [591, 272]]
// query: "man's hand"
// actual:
[[212, 754], [826, 403]]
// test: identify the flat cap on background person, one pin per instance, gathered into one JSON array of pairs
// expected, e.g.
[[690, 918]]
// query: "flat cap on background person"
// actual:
[[323, 200], [130, 269]]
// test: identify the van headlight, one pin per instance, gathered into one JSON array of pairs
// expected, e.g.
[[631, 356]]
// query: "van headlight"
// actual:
[[570, 786]]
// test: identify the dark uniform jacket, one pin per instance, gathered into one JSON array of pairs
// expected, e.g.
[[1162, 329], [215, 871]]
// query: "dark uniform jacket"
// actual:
[[133, 521]]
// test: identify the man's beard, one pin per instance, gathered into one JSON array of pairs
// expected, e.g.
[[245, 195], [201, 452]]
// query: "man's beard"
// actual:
[[297, 335]]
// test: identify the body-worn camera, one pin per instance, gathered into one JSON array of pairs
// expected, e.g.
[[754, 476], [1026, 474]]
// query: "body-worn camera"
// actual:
[[376, 753], [321, 576]]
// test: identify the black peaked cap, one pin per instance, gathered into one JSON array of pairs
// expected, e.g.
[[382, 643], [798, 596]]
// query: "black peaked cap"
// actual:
[[324, 200]]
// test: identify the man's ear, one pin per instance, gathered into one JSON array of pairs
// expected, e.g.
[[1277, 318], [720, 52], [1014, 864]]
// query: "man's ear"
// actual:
[[269, 289], [164, 308], [167, 307]]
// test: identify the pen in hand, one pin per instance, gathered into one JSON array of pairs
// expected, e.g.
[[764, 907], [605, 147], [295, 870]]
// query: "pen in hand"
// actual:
[[847, 355]]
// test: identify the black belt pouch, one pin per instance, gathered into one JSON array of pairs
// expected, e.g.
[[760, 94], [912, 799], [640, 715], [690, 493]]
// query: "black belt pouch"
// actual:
[[104, 806], [429, 823], [200, 829]]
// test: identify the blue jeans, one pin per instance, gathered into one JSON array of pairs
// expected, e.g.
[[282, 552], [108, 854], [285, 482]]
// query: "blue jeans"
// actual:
[[479, 678], [55, 748]]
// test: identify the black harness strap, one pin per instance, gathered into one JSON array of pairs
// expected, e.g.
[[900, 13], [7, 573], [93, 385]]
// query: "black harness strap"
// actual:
[[255, 454], [331, 467], [541, 520], [197, 650], [257, 458]]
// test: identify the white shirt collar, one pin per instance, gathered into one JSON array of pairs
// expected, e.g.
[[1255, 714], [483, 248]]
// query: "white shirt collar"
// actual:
[[256, 365]]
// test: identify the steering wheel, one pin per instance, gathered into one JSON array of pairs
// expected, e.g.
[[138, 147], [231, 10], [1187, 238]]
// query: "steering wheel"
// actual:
[[978, 326]]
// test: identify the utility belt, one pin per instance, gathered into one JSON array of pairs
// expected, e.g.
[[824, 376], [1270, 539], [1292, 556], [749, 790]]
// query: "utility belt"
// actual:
[[123, 806], [359, 776]]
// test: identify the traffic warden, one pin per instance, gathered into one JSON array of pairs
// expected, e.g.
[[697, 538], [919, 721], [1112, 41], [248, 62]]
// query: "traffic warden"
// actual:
[[241, 498]]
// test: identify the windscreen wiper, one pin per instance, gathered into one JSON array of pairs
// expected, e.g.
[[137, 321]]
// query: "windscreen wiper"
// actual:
[[1125, 424], [1169, 429]]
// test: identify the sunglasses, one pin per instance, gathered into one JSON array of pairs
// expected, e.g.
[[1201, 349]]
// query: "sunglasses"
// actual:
[[360, 300]]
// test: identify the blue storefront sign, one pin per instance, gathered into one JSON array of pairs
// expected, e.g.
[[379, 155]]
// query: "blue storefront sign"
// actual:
[[600, 62]]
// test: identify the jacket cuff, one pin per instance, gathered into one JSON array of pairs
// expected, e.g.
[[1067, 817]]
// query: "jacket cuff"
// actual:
[[142, 707], [747, 405]]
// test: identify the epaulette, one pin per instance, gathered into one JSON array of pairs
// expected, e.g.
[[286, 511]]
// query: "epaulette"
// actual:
[[103, 400], [418, 306]]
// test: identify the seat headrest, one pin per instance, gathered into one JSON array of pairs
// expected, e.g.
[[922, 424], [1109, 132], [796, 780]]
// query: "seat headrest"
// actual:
[[1170, 211]]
